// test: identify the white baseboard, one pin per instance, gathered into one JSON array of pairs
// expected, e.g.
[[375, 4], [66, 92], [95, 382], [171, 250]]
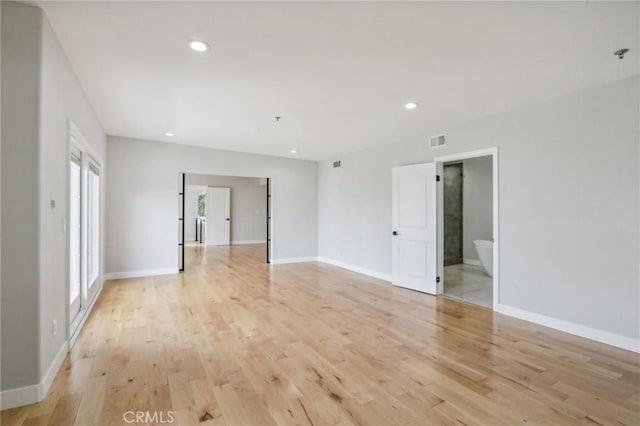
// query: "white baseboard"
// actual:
[[35, 393], [359, 270], [294, 260], [240, 242], [53, 370], [612, 339], [363, 271], [566, 326], [471, 262], [138, 274], [18, 397]]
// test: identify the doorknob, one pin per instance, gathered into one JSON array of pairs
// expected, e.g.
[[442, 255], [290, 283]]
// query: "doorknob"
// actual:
[[395, 233]]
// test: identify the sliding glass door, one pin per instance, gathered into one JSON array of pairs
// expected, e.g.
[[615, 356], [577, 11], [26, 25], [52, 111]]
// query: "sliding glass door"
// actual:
[[93, 227], [84, 232], [75, 236]]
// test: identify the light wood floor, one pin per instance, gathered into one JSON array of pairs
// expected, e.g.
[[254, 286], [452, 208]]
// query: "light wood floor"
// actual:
[[235, 342]]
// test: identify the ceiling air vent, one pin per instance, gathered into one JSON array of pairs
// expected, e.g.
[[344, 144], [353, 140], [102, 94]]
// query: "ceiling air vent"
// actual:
[[336, 164], [437, 141]]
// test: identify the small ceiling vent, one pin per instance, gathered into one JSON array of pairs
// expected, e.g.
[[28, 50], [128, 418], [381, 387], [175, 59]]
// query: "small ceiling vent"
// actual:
[[437, 141], [336, 164]]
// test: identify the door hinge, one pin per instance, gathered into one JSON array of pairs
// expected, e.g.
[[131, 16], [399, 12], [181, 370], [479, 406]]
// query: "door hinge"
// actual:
[[437, 178], [437, 279]]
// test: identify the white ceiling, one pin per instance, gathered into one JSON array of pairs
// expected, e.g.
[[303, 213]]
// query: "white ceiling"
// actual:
[[338, 73]]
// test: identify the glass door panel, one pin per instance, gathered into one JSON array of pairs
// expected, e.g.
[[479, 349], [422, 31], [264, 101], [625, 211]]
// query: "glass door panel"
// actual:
[[75, 237]]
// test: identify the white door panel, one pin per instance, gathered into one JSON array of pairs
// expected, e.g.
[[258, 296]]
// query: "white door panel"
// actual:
[[218, 209], [410, 258], [411, 199], [414, 223]]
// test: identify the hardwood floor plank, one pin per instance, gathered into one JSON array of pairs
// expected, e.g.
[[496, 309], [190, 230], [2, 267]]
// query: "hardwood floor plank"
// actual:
[[65, 412], [235, 342], [91, 404]]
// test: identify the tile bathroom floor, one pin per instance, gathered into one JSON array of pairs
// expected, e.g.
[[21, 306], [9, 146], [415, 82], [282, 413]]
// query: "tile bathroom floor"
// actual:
[[469, 283]]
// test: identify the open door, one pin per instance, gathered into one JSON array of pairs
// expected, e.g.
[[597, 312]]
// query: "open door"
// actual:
[[415, 227], [218, 209]]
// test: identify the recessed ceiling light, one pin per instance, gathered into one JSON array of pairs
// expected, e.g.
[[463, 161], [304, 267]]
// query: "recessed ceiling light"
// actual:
[[169, 134], [198, 46], [411, 105], [293, 151]]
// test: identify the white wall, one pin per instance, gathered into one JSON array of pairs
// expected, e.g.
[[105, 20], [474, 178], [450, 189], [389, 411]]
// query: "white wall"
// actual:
[[477, 204], [40, 94], [569, 204], [143, 182], [21, 59], [248, 206], [61, 99]]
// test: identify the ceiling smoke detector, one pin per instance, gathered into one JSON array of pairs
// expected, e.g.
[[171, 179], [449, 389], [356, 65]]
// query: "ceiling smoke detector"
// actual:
[[620, 53]]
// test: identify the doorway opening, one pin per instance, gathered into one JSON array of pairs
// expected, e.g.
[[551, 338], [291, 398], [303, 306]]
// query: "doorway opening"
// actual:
[[220, 212], [418, 231], [468, 219]]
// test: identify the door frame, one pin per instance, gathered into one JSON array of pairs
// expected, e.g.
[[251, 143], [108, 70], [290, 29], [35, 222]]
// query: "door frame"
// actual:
[[181, 220], [76, 141], [269, 222], [269, 206], [486, 152]]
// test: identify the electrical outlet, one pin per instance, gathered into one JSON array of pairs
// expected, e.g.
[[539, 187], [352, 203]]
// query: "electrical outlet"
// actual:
[[54, 327]]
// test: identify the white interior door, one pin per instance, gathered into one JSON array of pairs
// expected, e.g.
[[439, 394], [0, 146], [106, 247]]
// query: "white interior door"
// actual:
[[415, 227], [218, 209]]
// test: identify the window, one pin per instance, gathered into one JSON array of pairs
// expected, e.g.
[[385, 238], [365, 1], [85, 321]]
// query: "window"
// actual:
[[75, 234], [93, 224], [201, 201]]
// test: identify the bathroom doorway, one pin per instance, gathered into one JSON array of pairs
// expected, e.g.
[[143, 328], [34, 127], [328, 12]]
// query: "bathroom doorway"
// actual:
[[468, 227]]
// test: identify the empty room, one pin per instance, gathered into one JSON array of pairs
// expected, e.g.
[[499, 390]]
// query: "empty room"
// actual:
[[319, 213]]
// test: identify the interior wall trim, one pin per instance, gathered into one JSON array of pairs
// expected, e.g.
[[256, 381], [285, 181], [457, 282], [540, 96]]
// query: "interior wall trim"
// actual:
[[601, 336], [140, 273], [12, 398]]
